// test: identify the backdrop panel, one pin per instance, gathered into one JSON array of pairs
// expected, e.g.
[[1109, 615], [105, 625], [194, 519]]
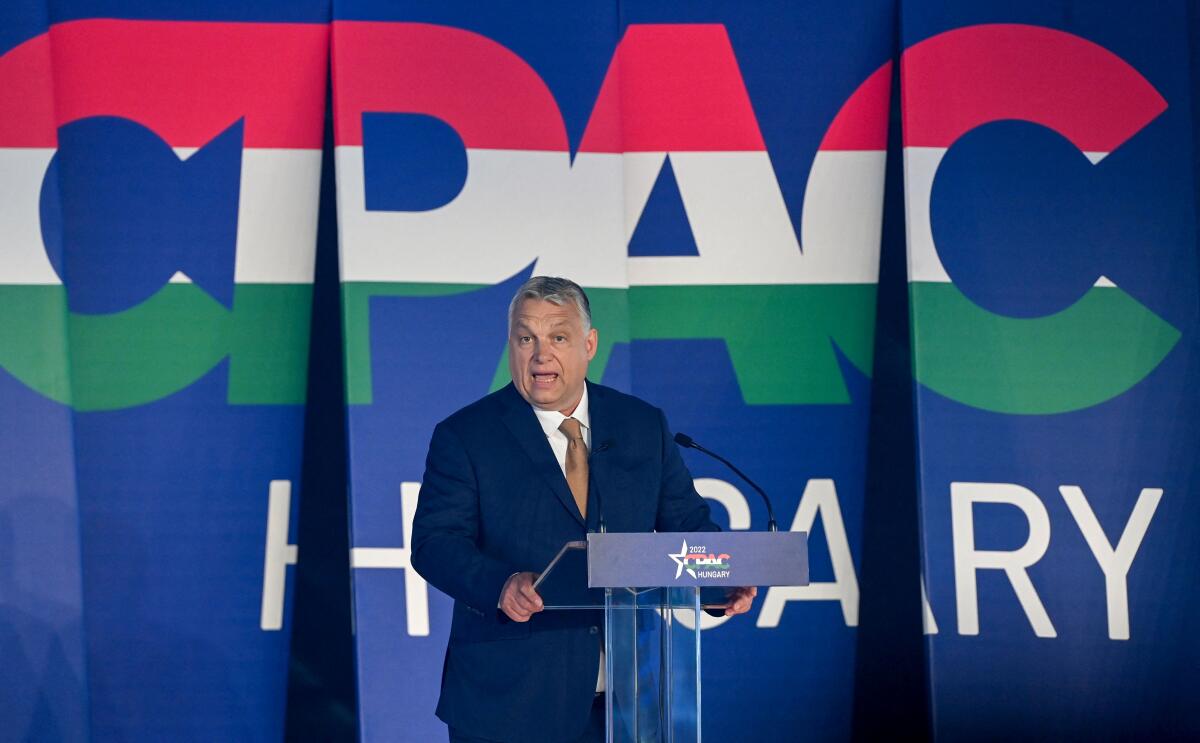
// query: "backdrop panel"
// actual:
[[713, 174], [161, 179], [44, 692], [1052, 261]]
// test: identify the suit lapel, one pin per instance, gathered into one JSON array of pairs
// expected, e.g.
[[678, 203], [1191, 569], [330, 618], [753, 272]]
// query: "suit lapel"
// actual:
[[602, 440], [520, 420]]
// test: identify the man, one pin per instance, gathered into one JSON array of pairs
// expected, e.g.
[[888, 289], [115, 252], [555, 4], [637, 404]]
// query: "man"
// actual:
[[507, 482]]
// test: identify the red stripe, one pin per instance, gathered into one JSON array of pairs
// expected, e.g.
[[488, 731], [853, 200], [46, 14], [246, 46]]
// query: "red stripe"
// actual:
[[673, 88], [489, 95], [27, 95], [958, 80], [186, 81], [862, 121]]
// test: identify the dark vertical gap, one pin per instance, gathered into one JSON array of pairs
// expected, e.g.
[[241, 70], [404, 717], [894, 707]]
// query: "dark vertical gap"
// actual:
[[891, 677], [321, 696], [1193, 22]]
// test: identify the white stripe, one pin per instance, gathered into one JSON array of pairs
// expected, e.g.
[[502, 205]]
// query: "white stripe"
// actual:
[[743, 231], [583, 213], [739, 221], [23, 258], [576, 220], [842, 223], [920, 167], [641, 173], [515, 207], [277, 216]]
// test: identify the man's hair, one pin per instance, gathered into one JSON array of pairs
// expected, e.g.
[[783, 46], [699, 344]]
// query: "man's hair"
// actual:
[[555, 290]]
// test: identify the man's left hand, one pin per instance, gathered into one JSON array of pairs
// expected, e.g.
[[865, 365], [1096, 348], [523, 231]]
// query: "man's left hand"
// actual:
[[740, 600]]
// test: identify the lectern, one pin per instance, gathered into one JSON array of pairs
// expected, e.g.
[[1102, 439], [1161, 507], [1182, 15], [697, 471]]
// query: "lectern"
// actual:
[[654, 589]]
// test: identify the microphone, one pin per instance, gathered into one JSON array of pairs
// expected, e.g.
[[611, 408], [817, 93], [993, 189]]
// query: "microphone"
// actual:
[[688, 443], [603, 446]]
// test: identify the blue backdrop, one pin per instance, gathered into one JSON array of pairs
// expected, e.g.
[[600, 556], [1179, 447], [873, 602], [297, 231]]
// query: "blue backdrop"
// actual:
[[926, 270]]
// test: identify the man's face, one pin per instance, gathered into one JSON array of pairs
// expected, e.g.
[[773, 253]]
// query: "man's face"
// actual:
[[548, 354]]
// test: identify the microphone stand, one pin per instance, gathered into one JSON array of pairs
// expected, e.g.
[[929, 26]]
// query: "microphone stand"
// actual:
[[687, 442]]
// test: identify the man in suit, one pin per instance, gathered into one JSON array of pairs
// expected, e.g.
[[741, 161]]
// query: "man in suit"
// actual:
[[508, 481]]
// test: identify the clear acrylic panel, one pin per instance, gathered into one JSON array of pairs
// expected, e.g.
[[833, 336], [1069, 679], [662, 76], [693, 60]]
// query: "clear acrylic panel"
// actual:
[[563, 583], [652, 665]]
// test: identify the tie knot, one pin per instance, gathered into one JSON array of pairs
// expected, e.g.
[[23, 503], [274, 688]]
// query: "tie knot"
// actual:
[[571, 427]]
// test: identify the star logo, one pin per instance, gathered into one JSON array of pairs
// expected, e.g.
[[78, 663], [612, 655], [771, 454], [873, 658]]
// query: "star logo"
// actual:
[[680, 561]]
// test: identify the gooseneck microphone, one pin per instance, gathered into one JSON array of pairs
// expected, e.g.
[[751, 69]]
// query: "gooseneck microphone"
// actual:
[[600, 527], [688, 443]]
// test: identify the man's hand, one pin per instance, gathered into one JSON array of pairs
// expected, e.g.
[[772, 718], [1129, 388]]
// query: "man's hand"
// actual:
[[518, 600], [740, 600]]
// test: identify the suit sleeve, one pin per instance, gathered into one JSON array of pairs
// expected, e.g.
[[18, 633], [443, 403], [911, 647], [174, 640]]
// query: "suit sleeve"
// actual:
[[445, 549], [680, 507]]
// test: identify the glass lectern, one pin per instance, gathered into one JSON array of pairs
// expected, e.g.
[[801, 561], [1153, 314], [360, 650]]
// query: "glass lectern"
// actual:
[[651, 650], [652, 633]]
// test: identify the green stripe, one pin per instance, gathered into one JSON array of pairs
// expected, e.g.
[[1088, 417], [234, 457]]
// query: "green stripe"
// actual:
[[160, 346], [781, 339], [33, 338], [1090, 352]]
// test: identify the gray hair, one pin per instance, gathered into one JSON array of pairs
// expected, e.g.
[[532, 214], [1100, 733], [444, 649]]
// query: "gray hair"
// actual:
[[555, 290]]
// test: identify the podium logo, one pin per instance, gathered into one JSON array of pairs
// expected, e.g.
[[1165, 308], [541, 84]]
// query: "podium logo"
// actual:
[[699, 562]]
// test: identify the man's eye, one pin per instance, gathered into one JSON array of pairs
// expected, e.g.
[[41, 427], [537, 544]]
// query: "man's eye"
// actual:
[[560, 338], [524, 339]]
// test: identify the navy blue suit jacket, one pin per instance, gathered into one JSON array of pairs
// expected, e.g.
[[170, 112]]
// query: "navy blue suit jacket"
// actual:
[[494, 502]]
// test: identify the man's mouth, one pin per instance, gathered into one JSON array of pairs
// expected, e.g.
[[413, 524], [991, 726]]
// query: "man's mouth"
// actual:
[[545, 378]]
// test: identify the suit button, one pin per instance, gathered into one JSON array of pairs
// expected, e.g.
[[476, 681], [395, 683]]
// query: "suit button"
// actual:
[[593, 630]]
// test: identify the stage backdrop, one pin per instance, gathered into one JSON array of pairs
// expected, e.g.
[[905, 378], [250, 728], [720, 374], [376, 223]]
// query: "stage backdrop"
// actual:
[[713, 175], [158, 196], [1048, 164]]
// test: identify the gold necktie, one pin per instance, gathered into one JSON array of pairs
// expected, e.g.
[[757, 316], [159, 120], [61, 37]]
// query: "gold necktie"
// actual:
[[577, 464]]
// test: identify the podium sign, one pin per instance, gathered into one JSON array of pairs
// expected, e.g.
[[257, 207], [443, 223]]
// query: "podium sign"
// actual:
[[697, 559]]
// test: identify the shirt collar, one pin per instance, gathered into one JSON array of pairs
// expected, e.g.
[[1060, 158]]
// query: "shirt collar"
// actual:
[[552, 419]]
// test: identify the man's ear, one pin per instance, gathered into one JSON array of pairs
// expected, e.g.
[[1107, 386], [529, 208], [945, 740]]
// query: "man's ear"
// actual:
[[592, 343]]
